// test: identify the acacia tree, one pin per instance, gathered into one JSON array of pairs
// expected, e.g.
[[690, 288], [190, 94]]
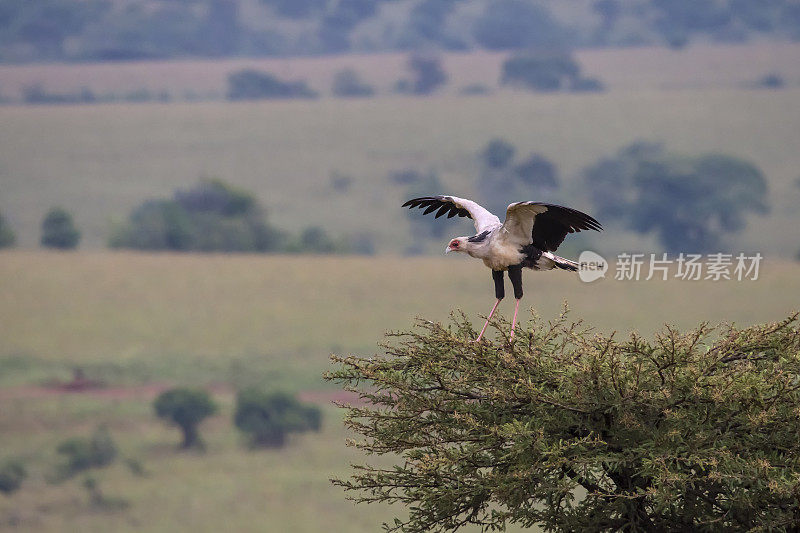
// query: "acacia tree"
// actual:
[[59, 231], [269, 417], [185, 408], [691, 203], [570, 430]]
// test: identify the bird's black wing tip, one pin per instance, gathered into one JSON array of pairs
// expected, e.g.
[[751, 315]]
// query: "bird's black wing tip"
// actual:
[[444, 204]]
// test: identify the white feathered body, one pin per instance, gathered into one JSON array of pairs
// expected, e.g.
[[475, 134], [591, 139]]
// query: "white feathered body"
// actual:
[[511, 243], [499, 254]]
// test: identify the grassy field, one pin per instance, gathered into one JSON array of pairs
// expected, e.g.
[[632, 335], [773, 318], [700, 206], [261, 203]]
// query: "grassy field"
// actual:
[[643, 68], [140, 322], [131, 319], [227, 488], [100, 161], [198, 317]]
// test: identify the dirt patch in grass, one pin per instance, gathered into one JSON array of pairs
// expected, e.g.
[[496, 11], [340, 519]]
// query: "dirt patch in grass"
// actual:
[[148, 391]]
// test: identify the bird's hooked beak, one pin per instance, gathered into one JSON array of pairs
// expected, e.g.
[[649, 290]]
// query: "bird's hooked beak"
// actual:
[[448, 249]]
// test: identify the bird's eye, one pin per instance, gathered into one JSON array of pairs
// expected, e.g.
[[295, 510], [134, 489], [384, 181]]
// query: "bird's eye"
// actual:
[[454, 244]]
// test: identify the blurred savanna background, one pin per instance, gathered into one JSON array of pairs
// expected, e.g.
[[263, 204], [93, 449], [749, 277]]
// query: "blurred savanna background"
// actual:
[[200, 202]]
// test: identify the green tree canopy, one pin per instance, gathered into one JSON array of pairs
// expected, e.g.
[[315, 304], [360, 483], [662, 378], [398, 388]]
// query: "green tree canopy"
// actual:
[[212, 216], [7, 237], [503, 178], [269, 417], [59, 231], [249, 84], [690, 203], [12, 474], [80, 453], [546, 72], [571, 430], [185, 408], [427, 74], [498, 153], [417, 183]]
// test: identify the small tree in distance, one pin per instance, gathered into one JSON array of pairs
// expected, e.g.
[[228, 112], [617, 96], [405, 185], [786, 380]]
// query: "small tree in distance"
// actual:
[[546, 72], [7, 237], [269, 417], [502, 178], [211, 216], [692, 203], [251, 84], [80, 453], [427, 75], [570, 430], [185, 408], [59, 231], [12, 474], [498, 153]]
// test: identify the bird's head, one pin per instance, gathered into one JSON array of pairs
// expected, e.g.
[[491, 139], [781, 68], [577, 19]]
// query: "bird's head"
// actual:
[[459, 244]]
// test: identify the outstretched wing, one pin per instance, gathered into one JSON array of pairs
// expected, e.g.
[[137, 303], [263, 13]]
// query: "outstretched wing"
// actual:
[[483, 219], [544, 225]]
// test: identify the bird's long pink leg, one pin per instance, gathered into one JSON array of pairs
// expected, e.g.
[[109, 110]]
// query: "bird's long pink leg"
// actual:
[[514, 321], [487, 320]]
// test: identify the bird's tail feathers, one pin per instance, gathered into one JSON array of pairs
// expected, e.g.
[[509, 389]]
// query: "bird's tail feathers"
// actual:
[[564, 264]]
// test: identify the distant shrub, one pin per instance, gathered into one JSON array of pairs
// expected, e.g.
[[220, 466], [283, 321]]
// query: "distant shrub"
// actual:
[[212, 216], [59, 231], [539, 172], [251, 84], [418, 183], [362, 243], [347, 83], [498, 153], [501, 179], [315, 239], [409, 176], [185, 408], [36, 94], [475, 89], [691, 203], [586, 85], [146, 95], [340, 183], [427, 75], [546, 72], [540, 72], [156, 225], [7, 237], [12, 474], [771, 81], [136, 467], [269, 417], [82, 454]]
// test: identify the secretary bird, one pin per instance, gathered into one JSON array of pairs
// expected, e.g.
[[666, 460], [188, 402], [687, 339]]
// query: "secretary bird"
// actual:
[[529, 236]]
